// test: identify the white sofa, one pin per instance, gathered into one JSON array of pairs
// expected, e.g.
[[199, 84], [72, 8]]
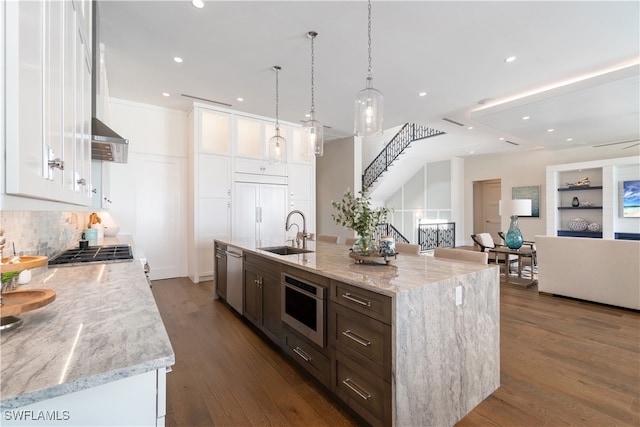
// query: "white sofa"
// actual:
[[600, 270]]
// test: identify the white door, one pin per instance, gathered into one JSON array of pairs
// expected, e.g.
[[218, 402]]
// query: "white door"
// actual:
[[273, 214], [245, 203], [149, 203], [491, 217], [259, 212]]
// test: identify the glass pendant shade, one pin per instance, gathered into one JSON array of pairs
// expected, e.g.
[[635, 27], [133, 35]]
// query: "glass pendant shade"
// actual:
[[277, 147], [369, 111], [313, 135], [513, 237]]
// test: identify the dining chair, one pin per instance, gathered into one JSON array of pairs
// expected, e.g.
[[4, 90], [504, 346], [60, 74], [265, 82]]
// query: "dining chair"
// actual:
[[486, 242], [407, 248], [350, 240], [327, 238], [461, 255]]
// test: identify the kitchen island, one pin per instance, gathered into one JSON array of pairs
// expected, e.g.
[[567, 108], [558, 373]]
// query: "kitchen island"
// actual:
[[97, 355], [429, 358]]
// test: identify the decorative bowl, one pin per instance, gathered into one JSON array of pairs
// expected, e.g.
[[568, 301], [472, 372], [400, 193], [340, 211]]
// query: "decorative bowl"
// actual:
[[578, 224], [595, 227]]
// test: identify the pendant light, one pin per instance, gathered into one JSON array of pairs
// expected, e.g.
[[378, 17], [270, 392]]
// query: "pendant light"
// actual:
[[369, 102], [277, 143], [312, 130]]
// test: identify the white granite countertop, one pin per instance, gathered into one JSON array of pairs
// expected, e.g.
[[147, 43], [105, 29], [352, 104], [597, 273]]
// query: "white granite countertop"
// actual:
[[104, 325], [405, 273]]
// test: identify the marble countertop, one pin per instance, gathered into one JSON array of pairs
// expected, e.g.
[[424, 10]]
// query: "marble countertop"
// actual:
[[104, 325], [405, 273]]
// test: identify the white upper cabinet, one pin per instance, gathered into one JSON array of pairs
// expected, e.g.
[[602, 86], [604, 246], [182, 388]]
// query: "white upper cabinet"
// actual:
[[249, 136], [214, 131], [26, 172], [48, 101], [299, 153]]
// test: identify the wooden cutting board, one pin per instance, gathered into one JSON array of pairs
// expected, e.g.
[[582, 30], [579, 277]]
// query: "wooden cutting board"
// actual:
[[16, 302], [26, 263]]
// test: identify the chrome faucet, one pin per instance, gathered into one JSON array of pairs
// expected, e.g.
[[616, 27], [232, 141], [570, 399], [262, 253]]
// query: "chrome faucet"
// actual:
[[305, 234]]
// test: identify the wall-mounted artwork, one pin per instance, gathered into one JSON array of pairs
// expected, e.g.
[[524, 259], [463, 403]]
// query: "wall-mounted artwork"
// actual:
[[531, 192], [631, 199]]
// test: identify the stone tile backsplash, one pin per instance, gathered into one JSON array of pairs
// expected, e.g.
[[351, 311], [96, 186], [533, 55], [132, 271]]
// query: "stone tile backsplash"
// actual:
[[41, 233]]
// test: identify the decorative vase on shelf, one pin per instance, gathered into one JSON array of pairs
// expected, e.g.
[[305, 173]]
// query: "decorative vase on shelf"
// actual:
[[514, 236], [364, 246], [575, 202]]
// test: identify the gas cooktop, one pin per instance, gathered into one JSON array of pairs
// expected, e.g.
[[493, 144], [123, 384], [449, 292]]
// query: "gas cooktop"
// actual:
[[93, 254]]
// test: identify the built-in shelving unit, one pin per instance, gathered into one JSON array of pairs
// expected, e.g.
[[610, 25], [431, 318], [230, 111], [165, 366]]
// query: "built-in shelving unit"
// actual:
[[603, 196]]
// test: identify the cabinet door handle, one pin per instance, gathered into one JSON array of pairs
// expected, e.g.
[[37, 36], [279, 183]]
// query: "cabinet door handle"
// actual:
[[356, 389], [81, 181], [356, 299], [302, 354], [357, 338]]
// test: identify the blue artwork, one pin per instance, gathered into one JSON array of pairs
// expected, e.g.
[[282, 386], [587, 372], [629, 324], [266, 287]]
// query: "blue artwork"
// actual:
[[631, 199]]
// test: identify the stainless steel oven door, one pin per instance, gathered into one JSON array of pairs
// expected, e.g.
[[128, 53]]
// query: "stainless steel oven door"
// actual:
[[304, 308]]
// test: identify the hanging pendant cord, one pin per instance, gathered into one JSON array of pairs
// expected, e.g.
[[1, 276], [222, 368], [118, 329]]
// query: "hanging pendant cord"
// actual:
[[370, 76], [313, 103], [277, 98]]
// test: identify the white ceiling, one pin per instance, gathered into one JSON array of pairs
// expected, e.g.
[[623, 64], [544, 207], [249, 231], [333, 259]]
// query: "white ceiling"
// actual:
[[576, 70]]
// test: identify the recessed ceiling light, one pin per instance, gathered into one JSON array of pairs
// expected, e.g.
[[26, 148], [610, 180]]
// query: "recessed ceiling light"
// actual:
[[569, 139], [526, 118], [550, 130], [470, 127], [501, 139], [510, 59], [165, 94], [197, 3], [177, 59], [239, 99], [422, 93], [471, 151], [307, 115]]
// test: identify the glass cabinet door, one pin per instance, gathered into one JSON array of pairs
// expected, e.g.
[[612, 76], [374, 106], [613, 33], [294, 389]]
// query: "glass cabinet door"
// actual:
[[249, 136], [214, 132]]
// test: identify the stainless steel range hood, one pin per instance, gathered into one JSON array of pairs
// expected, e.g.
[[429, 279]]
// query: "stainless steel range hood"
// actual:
[[106, 144]]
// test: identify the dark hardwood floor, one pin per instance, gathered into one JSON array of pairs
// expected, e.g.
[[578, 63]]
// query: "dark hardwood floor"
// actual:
[[563, 362]]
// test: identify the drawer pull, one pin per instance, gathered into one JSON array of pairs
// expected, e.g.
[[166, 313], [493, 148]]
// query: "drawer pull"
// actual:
[[357, 338], [356, 299], [302, 354], [356, 389]]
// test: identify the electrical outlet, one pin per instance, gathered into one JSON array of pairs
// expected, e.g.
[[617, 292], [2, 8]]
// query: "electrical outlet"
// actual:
[[458, 295]]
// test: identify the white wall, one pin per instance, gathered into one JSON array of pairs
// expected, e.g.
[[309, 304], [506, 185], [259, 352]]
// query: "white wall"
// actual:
[[150, 129], [524, 169], [335, 173]]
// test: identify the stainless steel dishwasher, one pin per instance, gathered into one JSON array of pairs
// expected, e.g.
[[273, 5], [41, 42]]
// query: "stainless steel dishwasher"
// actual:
[[234, 277]]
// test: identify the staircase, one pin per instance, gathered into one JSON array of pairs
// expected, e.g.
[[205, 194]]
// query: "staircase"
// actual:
[[389, 230], [409, 133]]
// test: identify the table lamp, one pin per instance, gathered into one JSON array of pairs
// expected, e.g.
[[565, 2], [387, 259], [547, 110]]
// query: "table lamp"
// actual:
[[519, 207]]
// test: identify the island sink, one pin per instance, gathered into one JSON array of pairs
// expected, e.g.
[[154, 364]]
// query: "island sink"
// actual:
[[285, 250]]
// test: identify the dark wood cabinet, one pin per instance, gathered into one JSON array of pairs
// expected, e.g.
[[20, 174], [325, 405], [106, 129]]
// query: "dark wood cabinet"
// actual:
[[359, 325], [252, 307], [262, 295], [220, 273], [356, 362]]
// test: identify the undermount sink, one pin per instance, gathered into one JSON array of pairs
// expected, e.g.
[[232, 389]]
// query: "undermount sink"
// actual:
[[285, 250]]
